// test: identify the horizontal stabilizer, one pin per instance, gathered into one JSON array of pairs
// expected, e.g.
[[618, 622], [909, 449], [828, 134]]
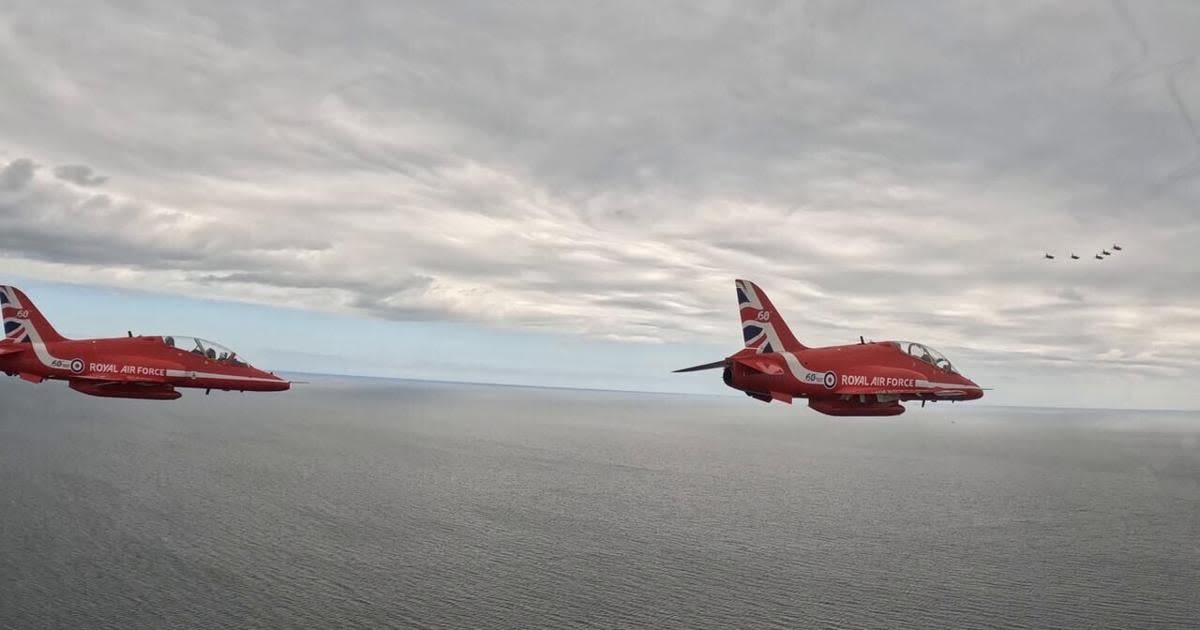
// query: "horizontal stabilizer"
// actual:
[[707, 366], [10, 349]]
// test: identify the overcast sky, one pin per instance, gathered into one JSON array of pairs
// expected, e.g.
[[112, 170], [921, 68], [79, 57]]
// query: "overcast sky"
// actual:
[[605, 170]]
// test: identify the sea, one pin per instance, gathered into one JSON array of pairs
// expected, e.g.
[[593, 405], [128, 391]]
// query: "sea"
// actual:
[[368, 503]]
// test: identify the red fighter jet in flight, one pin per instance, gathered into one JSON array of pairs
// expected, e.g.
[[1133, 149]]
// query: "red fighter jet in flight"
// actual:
[[124, 367], [863, 379]]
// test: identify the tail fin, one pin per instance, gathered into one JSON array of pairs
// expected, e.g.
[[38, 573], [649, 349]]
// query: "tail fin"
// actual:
[[763, 327], [23, 322]]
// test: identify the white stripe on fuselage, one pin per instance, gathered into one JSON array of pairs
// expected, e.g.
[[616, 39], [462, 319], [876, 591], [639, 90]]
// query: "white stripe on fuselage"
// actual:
[[35, 336], [807, 376], [226, 377], [936, 385], [798, 370], [43, 354]]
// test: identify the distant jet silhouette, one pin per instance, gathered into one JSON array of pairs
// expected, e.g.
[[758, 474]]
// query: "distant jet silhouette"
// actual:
[[1099, 257], [1106, 252], [1116, 247], [1074, 257], [1049, 256]]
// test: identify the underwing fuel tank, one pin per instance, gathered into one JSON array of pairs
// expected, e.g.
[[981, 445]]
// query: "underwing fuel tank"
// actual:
[[856, 408], [115, 390]]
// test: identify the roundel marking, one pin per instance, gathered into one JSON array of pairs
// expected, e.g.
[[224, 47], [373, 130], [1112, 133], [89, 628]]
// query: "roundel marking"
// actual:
[[77, 366], [830, 379]]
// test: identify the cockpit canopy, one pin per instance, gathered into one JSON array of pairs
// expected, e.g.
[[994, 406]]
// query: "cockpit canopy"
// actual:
[[925, 353], [204, 348]]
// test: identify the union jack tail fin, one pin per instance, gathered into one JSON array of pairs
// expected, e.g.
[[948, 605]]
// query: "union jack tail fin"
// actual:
[[763, 328], [23, 322]]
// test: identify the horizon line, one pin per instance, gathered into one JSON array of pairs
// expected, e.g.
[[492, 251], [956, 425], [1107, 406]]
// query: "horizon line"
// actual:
[[659, 393]]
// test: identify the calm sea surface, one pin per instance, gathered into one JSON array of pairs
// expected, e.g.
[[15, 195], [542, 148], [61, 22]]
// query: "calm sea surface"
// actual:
[[375, 504]]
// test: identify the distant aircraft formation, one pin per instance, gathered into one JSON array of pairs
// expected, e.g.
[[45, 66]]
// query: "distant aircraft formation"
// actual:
[[124, 367], [863, 379], [1101, 256]]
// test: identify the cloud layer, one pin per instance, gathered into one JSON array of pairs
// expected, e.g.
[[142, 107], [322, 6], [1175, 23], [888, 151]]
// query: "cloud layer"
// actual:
[[888, 170]]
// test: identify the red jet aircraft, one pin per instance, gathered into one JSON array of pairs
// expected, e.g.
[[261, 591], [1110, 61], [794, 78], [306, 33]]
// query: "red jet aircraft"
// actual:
[[124, 367], [864, 379]]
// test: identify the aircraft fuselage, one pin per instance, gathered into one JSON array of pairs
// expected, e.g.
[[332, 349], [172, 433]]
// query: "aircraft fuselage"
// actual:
[[141, 367], [876, 373]]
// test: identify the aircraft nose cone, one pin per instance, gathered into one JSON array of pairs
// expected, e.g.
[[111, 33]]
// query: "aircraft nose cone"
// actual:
[[275, 384], [976, 392]]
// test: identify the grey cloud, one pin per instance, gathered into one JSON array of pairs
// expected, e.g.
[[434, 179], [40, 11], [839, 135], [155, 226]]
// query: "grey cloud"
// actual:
[[79, 174], [50, 222], [17, 174], [1184, 111], [1122, 12], [382, 289]]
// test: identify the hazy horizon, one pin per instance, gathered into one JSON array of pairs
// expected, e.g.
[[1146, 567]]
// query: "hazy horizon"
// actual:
[[944, 406]]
